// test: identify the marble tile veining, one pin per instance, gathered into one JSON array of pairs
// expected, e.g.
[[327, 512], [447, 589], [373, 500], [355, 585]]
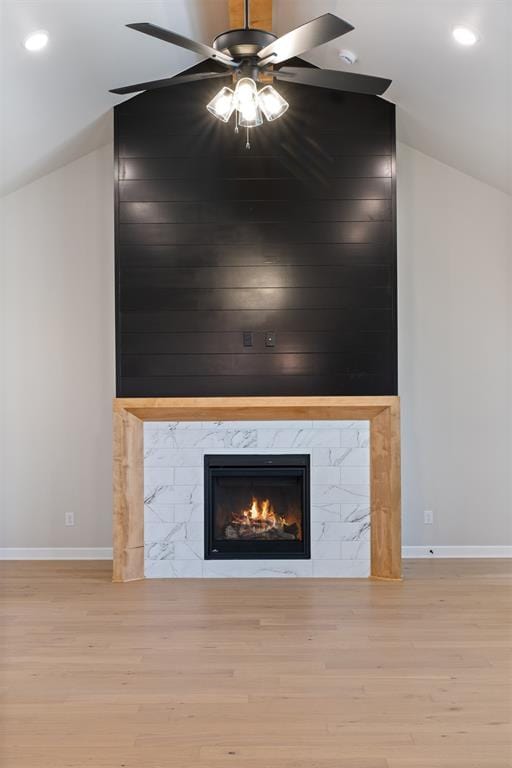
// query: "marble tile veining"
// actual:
[[174, 496]]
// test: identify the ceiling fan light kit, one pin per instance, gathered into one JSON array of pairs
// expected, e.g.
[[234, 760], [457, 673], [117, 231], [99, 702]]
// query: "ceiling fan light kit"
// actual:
[[250, 103], [247, 54]]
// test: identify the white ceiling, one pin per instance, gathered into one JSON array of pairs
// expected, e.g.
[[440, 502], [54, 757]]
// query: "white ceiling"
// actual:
[[453, 103]]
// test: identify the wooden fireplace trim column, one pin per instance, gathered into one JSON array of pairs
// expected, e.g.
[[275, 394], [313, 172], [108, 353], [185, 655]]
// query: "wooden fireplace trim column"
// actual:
[[128, 462]]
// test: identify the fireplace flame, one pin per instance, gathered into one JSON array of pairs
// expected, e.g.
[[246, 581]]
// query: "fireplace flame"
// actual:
[[260, 520], [262, 512]]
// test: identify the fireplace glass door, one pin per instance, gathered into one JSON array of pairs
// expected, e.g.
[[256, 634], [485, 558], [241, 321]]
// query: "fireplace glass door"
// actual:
[[257, 507]]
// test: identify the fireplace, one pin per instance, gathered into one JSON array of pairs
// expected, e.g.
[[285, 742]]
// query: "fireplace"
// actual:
[[257, 506]]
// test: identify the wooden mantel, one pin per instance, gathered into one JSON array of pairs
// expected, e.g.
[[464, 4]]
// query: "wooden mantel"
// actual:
[[130, 413]]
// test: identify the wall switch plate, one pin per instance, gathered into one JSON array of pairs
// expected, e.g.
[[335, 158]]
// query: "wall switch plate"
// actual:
[[270, 339], [428, 517], [247, 338], [69, 518]]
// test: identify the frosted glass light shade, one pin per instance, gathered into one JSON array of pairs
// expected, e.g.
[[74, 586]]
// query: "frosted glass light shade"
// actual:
[[246, 102], [272, 103], [222, 105], [245, 92], [250, 116]]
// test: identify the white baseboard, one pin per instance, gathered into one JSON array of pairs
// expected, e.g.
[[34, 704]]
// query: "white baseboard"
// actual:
[[55, 553], [105, 553], [464, 551]]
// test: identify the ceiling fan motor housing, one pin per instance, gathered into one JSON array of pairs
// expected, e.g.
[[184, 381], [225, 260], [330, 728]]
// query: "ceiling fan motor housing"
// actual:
[[243, 43]]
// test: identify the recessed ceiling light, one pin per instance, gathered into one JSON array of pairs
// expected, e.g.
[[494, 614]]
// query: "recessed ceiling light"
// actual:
[[36, 41], [465, 36]]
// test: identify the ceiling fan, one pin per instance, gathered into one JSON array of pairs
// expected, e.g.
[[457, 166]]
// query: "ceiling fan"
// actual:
[[250, 55]]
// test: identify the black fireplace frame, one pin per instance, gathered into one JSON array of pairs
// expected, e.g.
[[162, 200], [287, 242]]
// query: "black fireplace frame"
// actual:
[[258, 462]]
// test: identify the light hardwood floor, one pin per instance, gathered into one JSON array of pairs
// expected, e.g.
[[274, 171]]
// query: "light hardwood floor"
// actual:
[[267, 674]]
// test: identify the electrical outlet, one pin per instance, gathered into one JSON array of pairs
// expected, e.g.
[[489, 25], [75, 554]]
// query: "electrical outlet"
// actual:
[[69, 518], [270, 339], [428, 517]]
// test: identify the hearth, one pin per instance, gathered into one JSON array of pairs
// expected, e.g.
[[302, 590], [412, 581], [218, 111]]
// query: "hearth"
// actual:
[[257, 506]]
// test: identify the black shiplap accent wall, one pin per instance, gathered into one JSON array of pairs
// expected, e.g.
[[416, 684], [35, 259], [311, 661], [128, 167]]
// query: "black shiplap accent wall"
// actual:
[[295, 236]]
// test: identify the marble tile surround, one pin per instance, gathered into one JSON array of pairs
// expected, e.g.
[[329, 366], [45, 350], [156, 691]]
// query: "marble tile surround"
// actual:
[[173, 490]]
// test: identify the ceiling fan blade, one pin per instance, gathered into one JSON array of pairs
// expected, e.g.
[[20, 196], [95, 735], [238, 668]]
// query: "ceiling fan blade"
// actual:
[[334, 79], [165, 81], [184, 42], [303, 38]]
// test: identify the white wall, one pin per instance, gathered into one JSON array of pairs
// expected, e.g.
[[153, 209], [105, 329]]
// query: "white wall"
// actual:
[[57, 360], [455, 250], [58, 357]]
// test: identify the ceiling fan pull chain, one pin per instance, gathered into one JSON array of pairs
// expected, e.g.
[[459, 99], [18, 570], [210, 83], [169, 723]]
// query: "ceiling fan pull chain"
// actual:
[[236, 120], [247, 143]]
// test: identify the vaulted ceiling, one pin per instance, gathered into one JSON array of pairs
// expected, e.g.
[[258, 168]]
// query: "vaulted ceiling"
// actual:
[[453, 103]]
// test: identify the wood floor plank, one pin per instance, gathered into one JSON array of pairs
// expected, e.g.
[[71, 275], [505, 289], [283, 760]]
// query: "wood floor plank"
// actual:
[[274, 673]]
